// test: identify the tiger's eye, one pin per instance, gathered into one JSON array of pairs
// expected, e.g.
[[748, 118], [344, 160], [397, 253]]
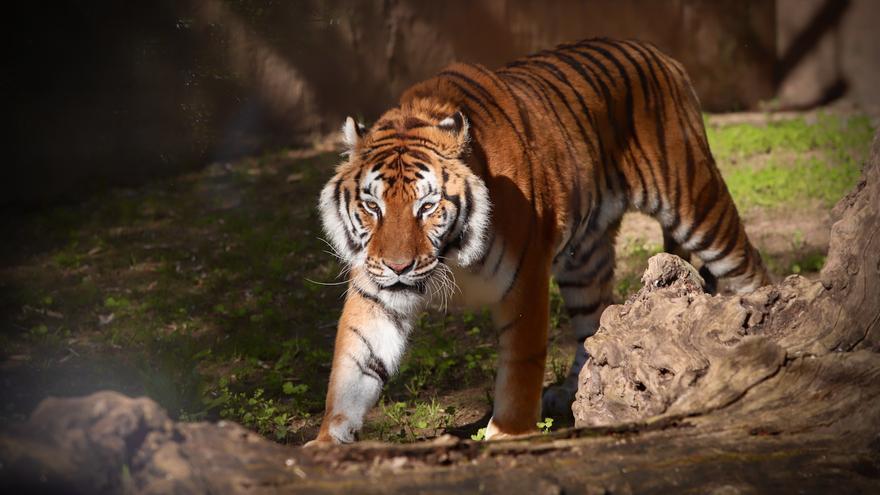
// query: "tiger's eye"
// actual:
[[426, 207], [371, 205]]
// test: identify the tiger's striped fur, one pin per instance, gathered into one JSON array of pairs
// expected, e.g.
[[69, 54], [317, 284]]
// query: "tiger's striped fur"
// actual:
[[507, 177]]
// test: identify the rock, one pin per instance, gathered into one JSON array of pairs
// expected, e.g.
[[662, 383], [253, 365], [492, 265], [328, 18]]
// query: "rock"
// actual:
[[82, 443], [110, 443], [672, 350]]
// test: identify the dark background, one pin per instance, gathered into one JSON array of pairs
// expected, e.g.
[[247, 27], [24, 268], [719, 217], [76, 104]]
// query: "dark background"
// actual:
[[107, 92]]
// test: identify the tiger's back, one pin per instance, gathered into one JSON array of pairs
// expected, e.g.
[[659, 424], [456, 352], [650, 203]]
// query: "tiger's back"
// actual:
[[561, 144], [591, 129]]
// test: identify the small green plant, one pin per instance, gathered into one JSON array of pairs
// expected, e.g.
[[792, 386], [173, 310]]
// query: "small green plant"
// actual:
[[419, 420], [116, 303], [808, 263], [545, 425], [479, 436], [266, 415], [559, 367], [797, 240]]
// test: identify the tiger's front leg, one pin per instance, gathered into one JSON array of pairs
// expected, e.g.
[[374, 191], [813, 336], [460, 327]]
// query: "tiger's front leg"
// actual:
[[370, 340], [522, 318]]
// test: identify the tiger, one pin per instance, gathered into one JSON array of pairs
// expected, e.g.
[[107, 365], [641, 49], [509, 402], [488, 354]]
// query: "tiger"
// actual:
[[500, 180]]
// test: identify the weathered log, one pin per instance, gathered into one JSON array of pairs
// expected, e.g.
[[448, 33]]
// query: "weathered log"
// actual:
[[775, 391]]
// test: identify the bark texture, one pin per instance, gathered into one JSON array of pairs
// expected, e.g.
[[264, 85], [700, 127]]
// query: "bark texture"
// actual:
[[778, 391]]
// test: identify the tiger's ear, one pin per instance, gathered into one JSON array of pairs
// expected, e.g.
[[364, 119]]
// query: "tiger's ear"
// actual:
[[352, 132], [456, 123]]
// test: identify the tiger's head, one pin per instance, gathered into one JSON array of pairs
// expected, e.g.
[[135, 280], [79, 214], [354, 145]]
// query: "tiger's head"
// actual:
[[405, 203]]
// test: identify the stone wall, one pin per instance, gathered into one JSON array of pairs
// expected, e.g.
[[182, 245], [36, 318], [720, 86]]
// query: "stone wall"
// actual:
[[106, 93]]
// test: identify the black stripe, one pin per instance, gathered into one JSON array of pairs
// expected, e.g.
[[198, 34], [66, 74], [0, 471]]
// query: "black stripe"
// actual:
[[432, 149], [392, 315], [706, 196], [575, 284], [350, 240], [600, 264], [500, 259], [523, 143], [519, 265], [561, 77], [709, 237], [690, 169], [732, 236], [630, 113], [366, 371], [561, 129], [488, 250], [659, 114], [618, 136], [581, 231], [378, 367], [604, 158], [503, 328], [374, 364], [608, 161], [467, 94], [586, 310], [464, 237], [738, 269]]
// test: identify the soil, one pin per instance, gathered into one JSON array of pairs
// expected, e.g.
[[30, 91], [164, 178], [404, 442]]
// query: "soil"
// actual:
[[174, 289]]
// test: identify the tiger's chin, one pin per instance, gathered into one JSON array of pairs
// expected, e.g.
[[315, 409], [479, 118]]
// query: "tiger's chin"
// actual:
[[406, 296]]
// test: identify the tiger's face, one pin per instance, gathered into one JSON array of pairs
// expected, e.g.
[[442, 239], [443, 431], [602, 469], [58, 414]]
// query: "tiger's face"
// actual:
[[404, 204]]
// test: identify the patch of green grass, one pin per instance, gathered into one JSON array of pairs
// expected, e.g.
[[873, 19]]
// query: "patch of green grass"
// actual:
[[792, 162], [811, 262], [827, 132], [411, 421], [777, 184], [268, 416], [197, 287]]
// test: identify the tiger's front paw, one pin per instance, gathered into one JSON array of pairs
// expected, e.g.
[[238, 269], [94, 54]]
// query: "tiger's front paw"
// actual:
[[336, 429], [495, 432], [318, 442]]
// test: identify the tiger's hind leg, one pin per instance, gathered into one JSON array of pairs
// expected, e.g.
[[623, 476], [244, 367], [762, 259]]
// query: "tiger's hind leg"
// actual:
[[708, 225], [672, 247], [585, 281]]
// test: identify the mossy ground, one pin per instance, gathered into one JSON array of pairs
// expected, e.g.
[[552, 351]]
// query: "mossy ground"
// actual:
[[208, 292]]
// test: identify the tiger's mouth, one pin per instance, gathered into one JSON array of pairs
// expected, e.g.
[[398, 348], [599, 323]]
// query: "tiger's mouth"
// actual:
[[400, 286]]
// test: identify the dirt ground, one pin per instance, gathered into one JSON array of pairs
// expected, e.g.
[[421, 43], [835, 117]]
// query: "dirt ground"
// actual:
[[213, 293]]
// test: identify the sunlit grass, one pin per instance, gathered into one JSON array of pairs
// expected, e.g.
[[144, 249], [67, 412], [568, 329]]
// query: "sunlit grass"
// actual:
[[791, 163], [791, 184]]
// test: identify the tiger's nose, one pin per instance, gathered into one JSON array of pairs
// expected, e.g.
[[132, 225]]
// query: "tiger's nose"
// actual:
[[399, 267]]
